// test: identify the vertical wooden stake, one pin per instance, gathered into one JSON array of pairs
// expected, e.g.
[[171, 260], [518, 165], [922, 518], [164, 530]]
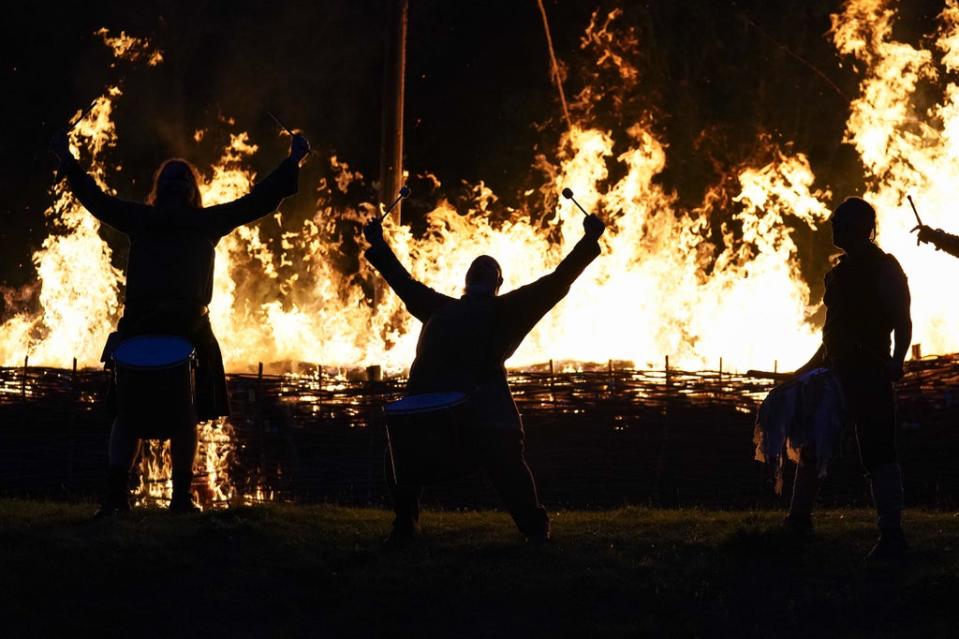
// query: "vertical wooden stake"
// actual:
[[551, 385]]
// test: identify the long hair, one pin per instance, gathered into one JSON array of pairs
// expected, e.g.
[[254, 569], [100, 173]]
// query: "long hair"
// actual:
[[169, 184]]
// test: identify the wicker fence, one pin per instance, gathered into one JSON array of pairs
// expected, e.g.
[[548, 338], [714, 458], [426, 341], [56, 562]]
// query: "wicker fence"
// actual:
[[596, 438]]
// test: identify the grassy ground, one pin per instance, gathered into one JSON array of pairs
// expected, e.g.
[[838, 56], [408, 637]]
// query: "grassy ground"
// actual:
[[282, 571]]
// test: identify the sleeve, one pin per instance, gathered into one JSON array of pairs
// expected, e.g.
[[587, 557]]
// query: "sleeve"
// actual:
[[946, 242], [110, 210], [263, 199], [420, 300], [522, 308]]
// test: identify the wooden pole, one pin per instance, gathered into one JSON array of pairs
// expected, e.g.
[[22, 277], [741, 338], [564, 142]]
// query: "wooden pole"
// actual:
[[394, 89]]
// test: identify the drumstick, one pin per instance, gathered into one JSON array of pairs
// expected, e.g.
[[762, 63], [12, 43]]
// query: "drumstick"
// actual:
[[285, 128], [914, 211], [404, 192], [568, 194], [279, 124], [83, 115]]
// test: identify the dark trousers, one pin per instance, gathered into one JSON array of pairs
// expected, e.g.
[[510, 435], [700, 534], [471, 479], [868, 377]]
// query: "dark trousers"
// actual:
[[871, 401], [501, 454]]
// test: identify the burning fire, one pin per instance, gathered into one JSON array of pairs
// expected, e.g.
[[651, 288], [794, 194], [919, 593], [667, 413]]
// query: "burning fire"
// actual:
[[908, 152], [661, 288]]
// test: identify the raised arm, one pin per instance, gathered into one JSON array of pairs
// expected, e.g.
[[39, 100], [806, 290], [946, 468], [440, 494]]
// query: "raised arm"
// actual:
[[264, 197], [420, 300], [940, 239], [110, 210], [522, 308]]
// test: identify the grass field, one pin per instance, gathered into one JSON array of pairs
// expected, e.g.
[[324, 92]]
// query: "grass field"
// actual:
[[289, 571]]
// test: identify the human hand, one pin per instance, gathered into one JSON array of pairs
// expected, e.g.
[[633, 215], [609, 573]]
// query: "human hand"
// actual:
[[373, 232], [299, 147], [593, 227], [928, 234]]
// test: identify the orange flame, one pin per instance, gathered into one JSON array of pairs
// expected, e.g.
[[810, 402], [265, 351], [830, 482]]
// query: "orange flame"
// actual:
[[906, 151]]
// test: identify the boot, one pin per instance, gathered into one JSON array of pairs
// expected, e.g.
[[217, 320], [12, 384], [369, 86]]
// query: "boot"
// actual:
[[116, 501], [805, 488], [887, 495], [182, 501]]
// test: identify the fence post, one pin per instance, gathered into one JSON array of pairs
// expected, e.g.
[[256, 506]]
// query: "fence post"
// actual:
[[23, 381], [552, 387]]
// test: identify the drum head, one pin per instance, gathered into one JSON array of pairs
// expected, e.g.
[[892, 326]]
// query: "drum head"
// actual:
[[153, 351], [425, 403]]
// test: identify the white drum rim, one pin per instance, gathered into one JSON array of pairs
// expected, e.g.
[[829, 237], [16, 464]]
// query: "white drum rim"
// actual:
[[137, 366], [391, 408]]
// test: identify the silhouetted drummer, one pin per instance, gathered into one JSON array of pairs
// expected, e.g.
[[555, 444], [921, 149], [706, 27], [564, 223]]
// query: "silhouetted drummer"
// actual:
[[169, 283], [462, 347], [867, 299]]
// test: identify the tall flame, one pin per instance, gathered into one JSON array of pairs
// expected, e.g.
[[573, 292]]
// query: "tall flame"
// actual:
[[907, 151]]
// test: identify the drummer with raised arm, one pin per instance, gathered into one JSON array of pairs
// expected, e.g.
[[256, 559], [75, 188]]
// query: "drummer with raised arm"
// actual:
[[462, 348], [169, 283]]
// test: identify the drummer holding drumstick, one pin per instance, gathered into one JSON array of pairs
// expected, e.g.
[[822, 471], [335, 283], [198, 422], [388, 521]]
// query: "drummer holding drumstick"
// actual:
[[462, 347], [169, 282]]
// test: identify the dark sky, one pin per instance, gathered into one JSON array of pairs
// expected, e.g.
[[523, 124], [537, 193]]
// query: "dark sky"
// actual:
[[716, 76]]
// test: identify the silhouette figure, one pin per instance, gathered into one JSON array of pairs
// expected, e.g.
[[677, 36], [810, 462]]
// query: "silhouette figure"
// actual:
[[462, 347], [866, 298], [169, 282]]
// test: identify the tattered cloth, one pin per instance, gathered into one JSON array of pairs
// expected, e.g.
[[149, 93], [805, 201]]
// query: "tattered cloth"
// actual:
[[805, 415]]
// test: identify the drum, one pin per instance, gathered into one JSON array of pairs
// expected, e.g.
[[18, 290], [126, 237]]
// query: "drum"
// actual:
[[425, 436], [154, 376]]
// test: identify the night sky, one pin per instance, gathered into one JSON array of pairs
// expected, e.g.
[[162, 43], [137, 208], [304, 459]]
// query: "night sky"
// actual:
[[716, 77]]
